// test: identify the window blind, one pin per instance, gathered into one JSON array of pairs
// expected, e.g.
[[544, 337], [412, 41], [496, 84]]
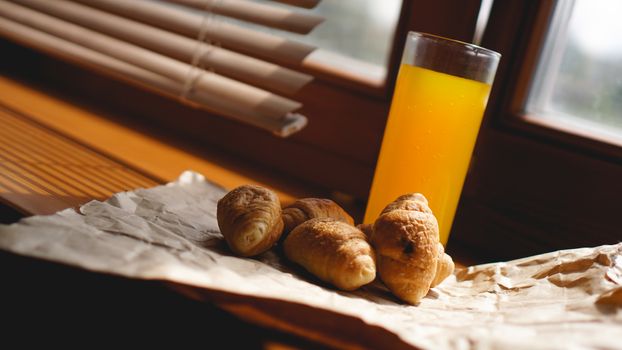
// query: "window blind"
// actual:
[[302, 3], [178, 48]]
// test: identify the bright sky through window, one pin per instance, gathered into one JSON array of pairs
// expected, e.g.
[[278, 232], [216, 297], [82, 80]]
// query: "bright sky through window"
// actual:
[[596, 26]]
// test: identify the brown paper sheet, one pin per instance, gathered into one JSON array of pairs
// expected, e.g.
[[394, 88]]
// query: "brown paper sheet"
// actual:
[[568, 299]]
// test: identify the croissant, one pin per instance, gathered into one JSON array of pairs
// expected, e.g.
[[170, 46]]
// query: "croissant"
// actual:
[[333, 251], [411, 201], [249, 217], [309, 208], [405, 238]]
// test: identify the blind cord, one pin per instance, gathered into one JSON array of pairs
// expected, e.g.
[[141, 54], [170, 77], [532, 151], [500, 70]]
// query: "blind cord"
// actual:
[[204, 47]]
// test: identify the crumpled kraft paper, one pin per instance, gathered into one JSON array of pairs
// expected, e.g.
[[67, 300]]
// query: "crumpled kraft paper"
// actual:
[[564, 299]]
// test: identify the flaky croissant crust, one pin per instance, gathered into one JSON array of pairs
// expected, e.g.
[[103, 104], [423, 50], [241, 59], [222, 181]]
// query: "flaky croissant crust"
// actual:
[[334, 251], [310, 208], [405, 238], [249, 218]]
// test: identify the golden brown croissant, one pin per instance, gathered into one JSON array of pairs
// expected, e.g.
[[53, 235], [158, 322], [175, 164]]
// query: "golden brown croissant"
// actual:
[[405, 238], [411, 201], [309, 208], [249, 217], [334, 251]]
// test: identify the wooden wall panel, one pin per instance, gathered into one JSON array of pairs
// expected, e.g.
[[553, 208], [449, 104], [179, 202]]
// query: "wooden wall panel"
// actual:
[[523, 197]]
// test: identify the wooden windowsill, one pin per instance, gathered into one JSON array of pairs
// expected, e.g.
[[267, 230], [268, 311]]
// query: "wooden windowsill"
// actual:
[[154, 157]]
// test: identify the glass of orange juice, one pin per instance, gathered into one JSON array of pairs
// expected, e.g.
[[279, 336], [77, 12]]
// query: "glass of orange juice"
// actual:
[[440, 96]]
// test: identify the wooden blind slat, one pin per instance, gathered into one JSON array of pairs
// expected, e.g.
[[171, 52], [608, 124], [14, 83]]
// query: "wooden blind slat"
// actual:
[[271, 16]]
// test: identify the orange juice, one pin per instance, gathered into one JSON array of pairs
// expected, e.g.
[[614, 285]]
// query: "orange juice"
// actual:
[[428, 141]]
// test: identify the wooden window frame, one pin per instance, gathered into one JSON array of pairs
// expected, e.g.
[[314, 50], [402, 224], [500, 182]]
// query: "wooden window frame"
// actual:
[[531, 188], [526, 57]]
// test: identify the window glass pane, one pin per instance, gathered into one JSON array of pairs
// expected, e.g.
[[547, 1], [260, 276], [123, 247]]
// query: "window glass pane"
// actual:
[[356, 36], [362, 29], [578, 83]]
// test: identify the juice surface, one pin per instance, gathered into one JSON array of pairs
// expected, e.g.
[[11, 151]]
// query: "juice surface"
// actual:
[[428, 141]]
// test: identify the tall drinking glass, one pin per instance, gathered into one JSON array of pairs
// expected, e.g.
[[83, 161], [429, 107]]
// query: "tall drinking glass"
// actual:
[[440, 96]]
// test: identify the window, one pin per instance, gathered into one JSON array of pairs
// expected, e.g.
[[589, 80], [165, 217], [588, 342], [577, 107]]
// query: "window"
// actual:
[[355, 40], [539, 181], [361, 29], [577, 86]]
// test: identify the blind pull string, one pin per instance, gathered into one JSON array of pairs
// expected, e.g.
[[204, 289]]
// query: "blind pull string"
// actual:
[[203, 48]]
